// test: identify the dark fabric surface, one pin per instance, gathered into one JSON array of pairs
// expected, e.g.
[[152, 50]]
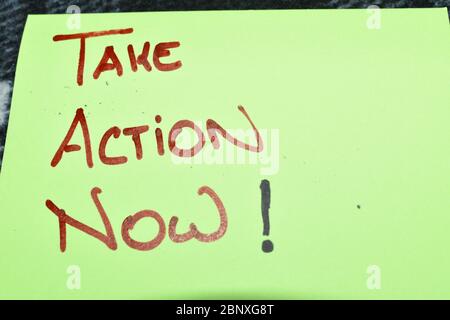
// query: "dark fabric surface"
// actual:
[[13, 14]]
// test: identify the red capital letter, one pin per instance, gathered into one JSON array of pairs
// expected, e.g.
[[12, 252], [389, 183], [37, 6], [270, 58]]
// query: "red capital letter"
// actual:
[[115, 132], [161, 51], [66, 147], [141, 59], [129, 223], [135, 133], [104, 65], [109, 239], [213, 127], [176, 130], [193, 230], [83, 36]]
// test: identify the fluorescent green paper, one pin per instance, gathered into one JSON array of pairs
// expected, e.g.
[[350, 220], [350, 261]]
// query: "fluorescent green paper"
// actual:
[[356, 121]]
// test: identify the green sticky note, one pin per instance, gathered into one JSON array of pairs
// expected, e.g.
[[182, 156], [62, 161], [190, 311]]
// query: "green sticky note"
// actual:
[[258, 154]]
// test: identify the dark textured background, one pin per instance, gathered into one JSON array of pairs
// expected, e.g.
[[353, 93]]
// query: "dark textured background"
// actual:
[[13, 14]]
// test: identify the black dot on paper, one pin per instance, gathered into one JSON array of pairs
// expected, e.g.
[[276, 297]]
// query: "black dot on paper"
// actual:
[[267, 246]]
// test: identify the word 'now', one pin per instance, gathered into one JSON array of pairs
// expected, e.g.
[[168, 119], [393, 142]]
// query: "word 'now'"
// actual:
[[129, 223]]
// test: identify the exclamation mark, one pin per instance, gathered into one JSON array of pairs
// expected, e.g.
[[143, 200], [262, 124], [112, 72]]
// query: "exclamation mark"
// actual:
[[267, 245]]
